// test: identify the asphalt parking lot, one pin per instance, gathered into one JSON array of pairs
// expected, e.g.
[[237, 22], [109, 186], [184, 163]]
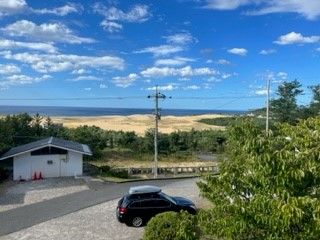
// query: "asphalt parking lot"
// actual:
[[94, 222]]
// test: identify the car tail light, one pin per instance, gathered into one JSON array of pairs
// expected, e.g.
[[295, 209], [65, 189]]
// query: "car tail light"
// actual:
[[122, 210]]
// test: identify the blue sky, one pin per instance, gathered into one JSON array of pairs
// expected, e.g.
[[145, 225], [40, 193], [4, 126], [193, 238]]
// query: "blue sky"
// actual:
[[204, 54]]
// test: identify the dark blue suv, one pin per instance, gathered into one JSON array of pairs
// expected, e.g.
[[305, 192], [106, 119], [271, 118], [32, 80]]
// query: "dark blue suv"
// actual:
[[143, 202]]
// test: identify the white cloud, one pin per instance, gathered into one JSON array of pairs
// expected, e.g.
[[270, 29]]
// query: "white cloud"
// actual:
[[60, 11], [177, 61], [161, 50], [267, 51], [226, 4], [296, 38], [9, 69], [192, 87], [55, 32], [138, 13], [80, 71], [111, 26], [261, 92], [10, 45], [11, 7], [102, 86], [88, 89], [60, 62], [180, 38], [168, 87], [125, 82], [309, 9], [238, 51], [177, 72], [86, 78], [223, 62], [282, 75], [14, 80]]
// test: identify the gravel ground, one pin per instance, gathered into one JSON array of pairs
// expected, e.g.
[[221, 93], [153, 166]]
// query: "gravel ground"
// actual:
[[97, 222]]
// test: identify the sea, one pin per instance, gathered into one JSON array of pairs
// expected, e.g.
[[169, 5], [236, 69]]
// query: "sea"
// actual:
[[52, 111]]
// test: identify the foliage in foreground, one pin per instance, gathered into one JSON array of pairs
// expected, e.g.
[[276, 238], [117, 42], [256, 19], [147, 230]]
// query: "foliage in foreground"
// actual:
[[172, 226], [269, 189]]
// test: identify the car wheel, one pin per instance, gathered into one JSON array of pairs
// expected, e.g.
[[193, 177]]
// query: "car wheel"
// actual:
[[137, 222]]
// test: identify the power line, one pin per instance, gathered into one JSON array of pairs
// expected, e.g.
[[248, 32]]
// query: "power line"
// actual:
[[122, 98]]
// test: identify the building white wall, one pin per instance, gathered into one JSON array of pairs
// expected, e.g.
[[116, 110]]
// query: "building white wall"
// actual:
[[75, 164], [25, 165], [21, 167]]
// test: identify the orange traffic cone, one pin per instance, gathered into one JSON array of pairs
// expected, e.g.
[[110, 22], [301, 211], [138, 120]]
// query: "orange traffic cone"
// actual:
[[40, 175], [35, 176]]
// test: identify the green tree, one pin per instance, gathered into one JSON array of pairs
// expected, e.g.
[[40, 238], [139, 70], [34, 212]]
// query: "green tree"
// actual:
[[37, 125], [269, 188], [93, 136], [285, 108], [315, 103]]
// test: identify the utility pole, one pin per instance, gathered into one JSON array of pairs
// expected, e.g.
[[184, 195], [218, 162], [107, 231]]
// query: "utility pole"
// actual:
[[157, 117]]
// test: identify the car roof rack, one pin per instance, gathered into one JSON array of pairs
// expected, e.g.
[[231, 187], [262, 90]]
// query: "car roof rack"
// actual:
[[144, 189]]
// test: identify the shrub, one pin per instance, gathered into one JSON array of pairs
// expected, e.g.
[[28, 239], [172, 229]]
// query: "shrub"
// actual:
[[172, 226], [107, 170]]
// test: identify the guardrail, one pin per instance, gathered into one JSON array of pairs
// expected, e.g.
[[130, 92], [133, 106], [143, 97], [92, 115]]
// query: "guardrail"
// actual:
[[173, 170]]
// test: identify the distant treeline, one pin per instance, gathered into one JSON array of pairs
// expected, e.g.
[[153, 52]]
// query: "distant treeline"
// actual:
[[20, 129]]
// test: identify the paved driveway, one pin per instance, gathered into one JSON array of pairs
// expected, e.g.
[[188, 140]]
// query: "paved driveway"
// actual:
[[88, 214]]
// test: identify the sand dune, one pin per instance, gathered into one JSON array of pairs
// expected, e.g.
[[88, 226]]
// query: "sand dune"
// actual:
[[140, 123]]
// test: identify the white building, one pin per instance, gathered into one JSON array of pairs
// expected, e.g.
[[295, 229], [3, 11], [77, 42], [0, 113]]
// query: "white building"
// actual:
[[47, 158]]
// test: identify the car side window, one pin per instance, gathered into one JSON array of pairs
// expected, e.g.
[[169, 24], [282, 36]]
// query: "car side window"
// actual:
[[163, 203], [135, 204], [148, 203]]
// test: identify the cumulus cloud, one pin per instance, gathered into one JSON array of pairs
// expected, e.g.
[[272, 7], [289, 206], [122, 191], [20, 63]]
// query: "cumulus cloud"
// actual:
[[192, 87], [52, 32], [86, 78], [177, 61], [12, 45], [309, 9], [238, 51], [267, 51], [223, 62], [177, 72], [9, 69], [12, 7], [111, 26], [125, 82], [14, 80], [60, 11], [226, 4], [161, 50], [168, 87], [296, 38], [261, 92], [102, 86], [180, 38], [61, 62], [113, 16]]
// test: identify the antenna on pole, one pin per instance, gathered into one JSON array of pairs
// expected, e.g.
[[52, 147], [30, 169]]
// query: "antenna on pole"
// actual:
[[157, 117]]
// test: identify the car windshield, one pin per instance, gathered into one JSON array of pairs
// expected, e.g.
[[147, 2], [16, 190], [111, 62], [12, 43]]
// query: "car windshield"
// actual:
[[171, 199]]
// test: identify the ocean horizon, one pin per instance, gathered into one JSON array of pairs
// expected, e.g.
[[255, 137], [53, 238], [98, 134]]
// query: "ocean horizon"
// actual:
[[58, 111]]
